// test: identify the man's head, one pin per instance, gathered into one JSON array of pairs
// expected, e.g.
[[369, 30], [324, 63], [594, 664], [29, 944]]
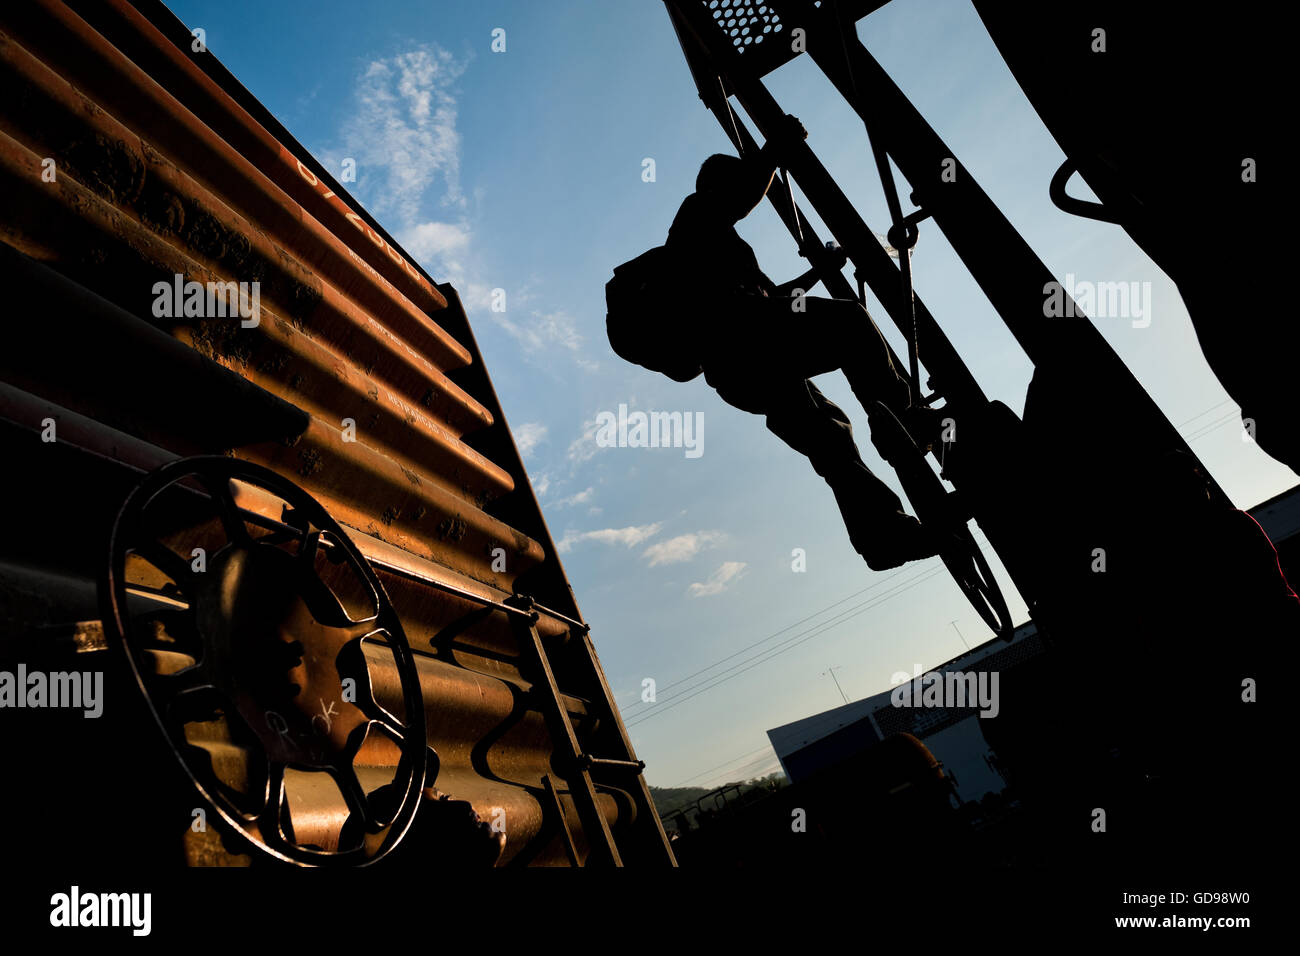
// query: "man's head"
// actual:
[[734, 185], [717, 173]]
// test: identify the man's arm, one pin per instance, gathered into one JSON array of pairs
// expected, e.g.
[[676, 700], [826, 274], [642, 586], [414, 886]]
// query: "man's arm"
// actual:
[[743, 195], [804, 282], [812, 276]]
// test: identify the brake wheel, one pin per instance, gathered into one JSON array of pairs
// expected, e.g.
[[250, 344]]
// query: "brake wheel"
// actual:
[[249, 636]]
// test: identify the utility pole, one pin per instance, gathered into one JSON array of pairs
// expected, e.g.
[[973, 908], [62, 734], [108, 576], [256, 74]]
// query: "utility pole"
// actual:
[[832, 671], [958, 630]]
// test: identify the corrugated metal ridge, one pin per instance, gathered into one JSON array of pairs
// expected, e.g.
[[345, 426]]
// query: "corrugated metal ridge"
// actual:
[[143, 43]]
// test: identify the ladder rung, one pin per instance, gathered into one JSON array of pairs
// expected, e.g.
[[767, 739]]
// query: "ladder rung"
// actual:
[[576, 705], [594, 763]]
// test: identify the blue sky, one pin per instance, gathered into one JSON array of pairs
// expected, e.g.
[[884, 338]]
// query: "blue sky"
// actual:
[[522, 170]]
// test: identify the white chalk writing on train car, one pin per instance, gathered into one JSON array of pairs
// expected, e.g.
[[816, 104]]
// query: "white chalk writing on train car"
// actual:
[[324, 716], [361, 225]]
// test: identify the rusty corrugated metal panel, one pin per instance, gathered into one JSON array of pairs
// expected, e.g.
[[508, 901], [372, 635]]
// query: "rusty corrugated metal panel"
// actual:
[[142, 98], [167, 169]]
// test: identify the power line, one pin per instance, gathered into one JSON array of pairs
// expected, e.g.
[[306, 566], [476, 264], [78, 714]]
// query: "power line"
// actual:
[[713, 680], [747, 771], [768, 638], [725, 763], [742, 772], [791, 642], [798, 639], [774, 634], [755, 768], [1202, 432], [831, 671], [816, 630], [1226, 401]]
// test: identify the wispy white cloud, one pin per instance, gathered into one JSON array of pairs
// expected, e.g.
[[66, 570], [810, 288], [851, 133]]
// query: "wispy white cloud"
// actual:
[[403, 133], [719, 580], [528, 436], [446, 249], [580, 498], [542, 332], [629, 537], [584, 447], [682, 548], [436, 240]]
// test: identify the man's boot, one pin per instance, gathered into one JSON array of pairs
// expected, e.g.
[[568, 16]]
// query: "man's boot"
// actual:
[[884, 534]]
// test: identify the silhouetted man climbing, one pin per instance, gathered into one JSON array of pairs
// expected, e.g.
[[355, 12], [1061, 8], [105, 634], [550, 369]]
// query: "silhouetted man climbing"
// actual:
[[759, 343]]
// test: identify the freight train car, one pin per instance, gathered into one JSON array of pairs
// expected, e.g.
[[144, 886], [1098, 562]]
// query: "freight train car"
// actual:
[[274, 586]]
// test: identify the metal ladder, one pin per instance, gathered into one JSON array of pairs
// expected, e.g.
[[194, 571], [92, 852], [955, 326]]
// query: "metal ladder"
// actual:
[[579, 769]]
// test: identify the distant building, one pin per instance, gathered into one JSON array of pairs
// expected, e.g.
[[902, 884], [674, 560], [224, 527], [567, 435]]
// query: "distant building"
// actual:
[[951, 733], [1279, 516]]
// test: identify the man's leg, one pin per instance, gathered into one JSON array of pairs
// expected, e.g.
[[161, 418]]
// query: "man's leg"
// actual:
[[810, 423], [830, 334]]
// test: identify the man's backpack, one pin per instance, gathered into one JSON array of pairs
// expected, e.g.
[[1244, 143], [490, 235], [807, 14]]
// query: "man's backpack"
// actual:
[[642, 323]]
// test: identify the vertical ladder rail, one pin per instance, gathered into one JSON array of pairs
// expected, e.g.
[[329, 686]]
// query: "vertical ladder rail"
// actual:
[[581, 788], [565, 832], [646, 811], [577, 766]]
